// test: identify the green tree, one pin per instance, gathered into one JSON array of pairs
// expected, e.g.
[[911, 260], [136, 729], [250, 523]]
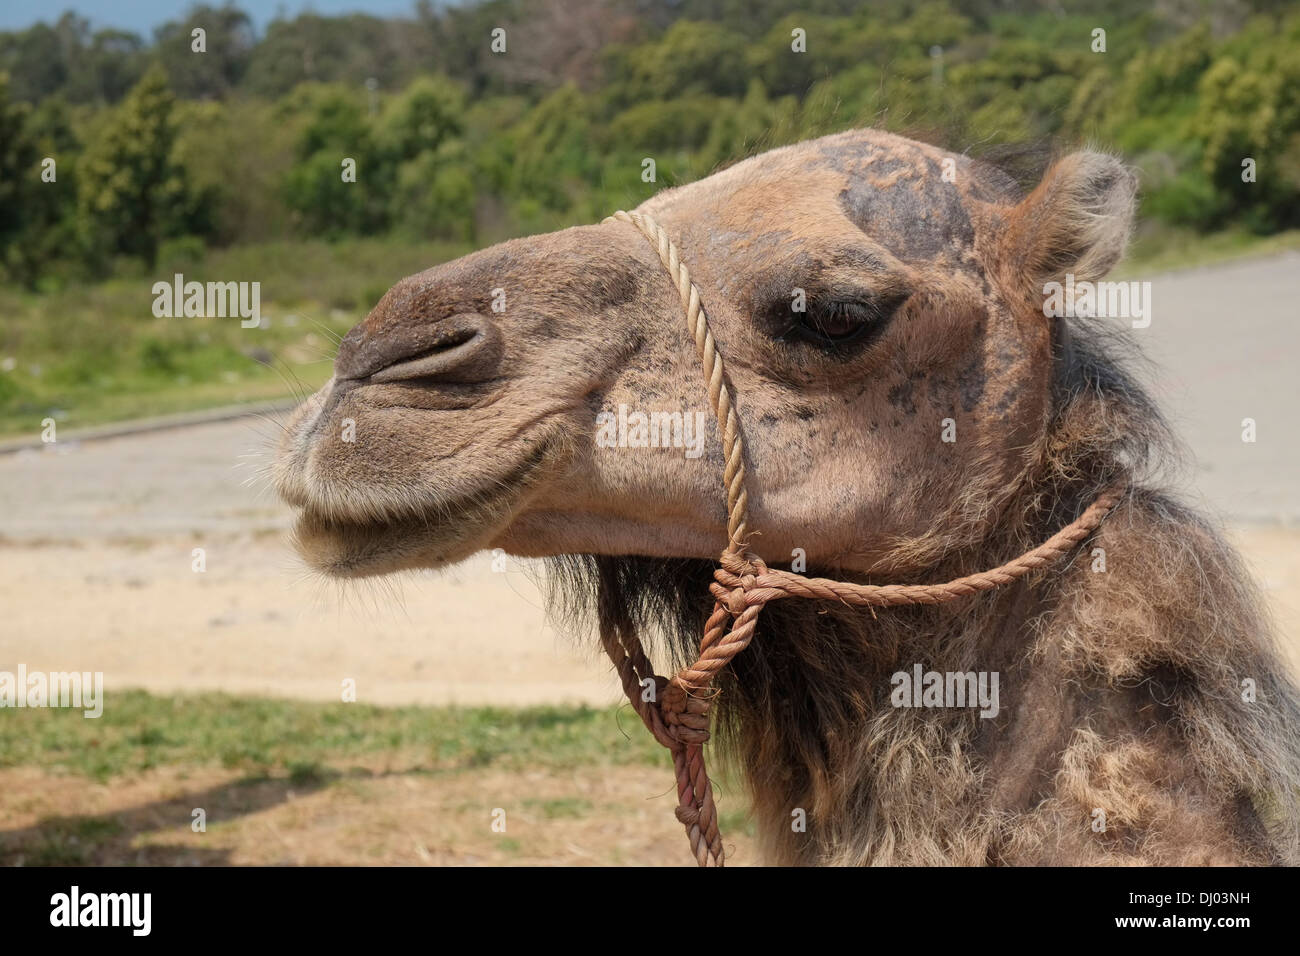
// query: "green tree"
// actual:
[[429, 112], [228, 42], [554, 160], [315, 190], [689, 58], [113, 63], [434, 186], [348, 49], [132, 191], [35, 59], [1242, 116], [435, 194], [36, 213], [754, 124], [18, 177]]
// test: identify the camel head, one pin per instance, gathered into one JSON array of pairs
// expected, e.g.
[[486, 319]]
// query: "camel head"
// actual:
[[879, 305]]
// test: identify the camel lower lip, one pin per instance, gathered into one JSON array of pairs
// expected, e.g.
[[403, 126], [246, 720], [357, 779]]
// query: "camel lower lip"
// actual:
[[435, 533], [352, 549]]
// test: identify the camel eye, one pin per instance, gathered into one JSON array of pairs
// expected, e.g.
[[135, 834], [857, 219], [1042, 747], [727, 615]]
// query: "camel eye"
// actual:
[[839, 321]]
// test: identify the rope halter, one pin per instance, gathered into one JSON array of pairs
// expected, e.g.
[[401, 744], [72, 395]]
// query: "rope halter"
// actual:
[[677, 712]]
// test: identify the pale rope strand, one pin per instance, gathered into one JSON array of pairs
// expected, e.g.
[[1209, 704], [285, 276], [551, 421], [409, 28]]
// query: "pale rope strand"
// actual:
[[697, 322]]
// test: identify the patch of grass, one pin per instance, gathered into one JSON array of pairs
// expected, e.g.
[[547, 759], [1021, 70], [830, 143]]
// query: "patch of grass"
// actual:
[[303, 772], [1163, 249], [72, 841], [572, 808], [139, 730], [736, 821], [90, 354]]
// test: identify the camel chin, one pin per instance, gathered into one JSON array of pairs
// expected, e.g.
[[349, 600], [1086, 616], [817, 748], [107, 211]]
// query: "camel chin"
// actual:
[[351, 522], [349, 549], [432, 532]]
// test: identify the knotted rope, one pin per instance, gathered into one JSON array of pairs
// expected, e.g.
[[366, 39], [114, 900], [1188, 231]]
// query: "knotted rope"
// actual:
[[676, 710]]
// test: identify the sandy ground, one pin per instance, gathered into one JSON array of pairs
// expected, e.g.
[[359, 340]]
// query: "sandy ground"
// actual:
[[96, 573]]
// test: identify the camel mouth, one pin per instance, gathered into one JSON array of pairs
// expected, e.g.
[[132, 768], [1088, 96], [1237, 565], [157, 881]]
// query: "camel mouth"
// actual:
[[340, 548], [378, 534], [344, 549], [438, 535]]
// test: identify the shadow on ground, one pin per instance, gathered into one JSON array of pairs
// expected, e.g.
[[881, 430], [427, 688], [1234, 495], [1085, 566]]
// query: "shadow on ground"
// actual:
[[109, 838]]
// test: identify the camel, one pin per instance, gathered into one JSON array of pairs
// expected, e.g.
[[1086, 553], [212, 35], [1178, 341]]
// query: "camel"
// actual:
[[911, 414]]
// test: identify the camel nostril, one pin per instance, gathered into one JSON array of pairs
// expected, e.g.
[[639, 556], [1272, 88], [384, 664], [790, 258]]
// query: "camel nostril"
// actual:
[[458, 359], [462, 348]]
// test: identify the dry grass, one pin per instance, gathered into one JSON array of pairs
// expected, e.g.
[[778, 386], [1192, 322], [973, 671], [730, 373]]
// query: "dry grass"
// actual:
[[380, 786]]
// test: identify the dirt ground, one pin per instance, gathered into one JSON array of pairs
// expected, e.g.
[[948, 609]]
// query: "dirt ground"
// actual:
[[97, 570], [385, 813], [253, 624], [97, 573]]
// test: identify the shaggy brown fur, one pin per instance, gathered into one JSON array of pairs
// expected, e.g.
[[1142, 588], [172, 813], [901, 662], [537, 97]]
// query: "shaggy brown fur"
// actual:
[[1122, 691]]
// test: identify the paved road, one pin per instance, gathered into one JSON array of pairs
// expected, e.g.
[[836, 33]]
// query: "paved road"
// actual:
[[1226, 342], [195, 480]]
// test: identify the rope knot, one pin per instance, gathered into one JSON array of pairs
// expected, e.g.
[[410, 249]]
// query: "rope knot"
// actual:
[[686, 718], [742, 564], [738, 575]]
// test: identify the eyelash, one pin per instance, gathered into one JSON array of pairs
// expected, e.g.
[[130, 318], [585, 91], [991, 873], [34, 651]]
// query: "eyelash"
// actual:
[[809, 325], [855, 312]]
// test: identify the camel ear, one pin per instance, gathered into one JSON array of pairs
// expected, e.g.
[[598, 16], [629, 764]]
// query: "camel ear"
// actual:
[[1076, 221]]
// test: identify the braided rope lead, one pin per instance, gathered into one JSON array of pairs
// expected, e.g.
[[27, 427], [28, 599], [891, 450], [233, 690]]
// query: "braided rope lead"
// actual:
[[678, 715]]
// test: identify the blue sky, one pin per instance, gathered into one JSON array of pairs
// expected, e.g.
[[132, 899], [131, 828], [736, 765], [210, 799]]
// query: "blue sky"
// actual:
[[141, 16]]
